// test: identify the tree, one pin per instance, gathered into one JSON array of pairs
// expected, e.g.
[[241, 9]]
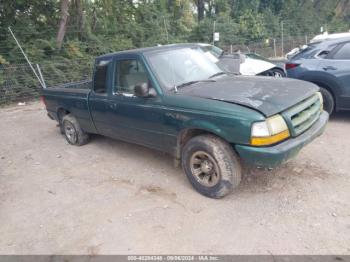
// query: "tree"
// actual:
[[63, 23], [251, 27], [200, 10]]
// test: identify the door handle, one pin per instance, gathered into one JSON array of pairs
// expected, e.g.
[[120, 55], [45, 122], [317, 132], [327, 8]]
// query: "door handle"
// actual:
[[329, 68]]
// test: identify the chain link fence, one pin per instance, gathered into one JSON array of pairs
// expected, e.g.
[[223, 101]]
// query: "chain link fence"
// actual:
[[18, 83], [269, 48]]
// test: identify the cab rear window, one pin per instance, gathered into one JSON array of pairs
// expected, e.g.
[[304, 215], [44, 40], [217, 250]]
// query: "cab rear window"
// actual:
[[100, 78]]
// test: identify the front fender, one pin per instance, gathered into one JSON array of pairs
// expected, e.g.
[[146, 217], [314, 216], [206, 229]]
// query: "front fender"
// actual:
[[206, 126]]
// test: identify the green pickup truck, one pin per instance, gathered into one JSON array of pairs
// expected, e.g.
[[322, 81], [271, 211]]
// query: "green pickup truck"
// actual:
[[174, 99]]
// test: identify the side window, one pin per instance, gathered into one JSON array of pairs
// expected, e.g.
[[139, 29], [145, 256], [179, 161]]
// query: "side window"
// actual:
[[326, 53], [323, 54], [128, 74], [100, 78], [343, 53]]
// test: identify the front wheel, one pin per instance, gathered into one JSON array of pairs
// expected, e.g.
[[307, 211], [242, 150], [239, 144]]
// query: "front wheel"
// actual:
[[211, 166], [328, 100]]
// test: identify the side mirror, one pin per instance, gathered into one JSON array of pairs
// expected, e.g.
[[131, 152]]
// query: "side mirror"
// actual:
[[143, 90]]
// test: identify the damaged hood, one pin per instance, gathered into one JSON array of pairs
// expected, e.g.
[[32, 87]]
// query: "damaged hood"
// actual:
[[264, 94]]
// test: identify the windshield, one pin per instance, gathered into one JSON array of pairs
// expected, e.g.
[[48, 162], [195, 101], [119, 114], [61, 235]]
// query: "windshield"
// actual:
[[179, 66], [258, 57], [214, 50]]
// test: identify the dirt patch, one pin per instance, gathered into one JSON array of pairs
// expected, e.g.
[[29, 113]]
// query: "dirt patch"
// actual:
[[111, 197]]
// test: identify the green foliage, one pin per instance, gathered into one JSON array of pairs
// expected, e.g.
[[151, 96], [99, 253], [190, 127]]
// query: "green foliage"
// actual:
[[251, 26], [102, 26], [3, 61]]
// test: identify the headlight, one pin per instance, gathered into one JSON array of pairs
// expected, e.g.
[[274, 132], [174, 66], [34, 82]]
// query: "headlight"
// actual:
[[321, 99], [270, 131]]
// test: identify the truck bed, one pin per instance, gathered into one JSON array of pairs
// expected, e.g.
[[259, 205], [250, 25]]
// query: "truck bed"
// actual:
[[73, 97], [84, 84]]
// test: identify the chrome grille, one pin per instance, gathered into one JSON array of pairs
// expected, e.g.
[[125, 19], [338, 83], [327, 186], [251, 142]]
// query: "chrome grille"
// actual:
[[302, 116]]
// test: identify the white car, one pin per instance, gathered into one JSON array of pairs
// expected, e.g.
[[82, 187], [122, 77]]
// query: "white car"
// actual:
[[245, 64]]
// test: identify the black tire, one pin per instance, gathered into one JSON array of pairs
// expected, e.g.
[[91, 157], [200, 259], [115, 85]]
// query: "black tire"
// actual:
[[225, 173], [275, 72], [73, 132], [60, 121], [328, 100]]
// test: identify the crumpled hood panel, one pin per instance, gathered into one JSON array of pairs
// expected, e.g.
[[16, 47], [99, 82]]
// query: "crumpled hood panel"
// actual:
[[267, 95]]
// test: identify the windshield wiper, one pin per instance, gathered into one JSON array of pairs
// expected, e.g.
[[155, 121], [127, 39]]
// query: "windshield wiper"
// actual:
[[190, 83], [217, 74]]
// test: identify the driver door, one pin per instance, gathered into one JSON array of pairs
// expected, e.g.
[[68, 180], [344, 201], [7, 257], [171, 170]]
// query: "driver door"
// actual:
[[136, 119]]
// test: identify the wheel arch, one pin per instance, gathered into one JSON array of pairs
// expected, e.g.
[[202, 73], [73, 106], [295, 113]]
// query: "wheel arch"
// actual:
[[188, 133], [61, 112], [328, 88], [325, 81], [282, 71]]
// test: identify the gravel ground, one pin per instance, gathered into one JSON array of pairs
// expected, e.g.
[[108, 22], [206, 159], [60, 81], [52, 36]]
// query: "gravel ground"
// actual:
[[110, 197]]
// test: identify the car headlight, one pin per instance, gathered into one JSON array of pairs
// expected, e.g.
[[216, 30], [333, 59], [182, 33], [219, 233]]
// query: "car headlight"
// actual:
[[271, 131], [321, 99]]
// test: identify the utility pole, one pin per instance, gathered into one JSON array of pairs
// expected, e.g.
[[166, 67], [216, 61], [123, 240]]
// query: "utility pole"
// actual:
[[41, 80], [166, 30], [274, 47], [282, 39], [214, 33]]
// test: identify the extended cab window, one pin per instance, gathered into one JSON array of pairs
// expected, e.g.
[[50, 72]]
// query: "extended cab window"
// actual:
[[100, 79], [343, 53], [128, 74]]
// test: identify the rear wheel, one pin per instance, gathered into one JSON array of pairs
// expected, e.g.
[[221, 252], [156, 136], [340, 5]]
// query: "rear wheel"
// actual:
[[328, 100], [73, 132], [211, 166]]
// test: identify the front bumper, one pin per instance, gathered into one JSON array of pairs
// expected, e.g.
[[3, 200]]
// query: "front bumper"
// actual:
[[273, 156]]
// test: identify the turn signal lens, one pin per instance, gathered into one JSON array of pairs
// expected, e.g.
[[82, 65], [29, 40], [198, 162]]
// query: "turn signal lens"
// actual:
[[269, 132], [270, 140]]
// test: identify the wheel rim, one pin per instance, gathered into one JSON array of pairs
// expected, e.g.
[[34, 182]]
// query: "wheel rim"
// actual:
[[277, 74], [204, 169], [70, 132]]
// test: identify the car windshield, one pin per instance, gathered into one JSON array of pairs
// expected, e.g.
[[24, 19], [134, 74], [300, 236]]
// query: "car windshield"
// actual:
[[179, 66], [258, 57], [214, 50]]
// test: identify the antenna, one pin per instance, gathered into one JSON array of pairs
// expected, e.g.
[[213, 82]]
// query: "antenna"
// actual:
[[41, 80]]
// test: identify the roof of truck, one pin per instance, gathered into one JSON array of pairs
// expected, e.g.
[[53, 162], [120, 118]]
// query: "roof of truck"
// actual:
[[151, 49]]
